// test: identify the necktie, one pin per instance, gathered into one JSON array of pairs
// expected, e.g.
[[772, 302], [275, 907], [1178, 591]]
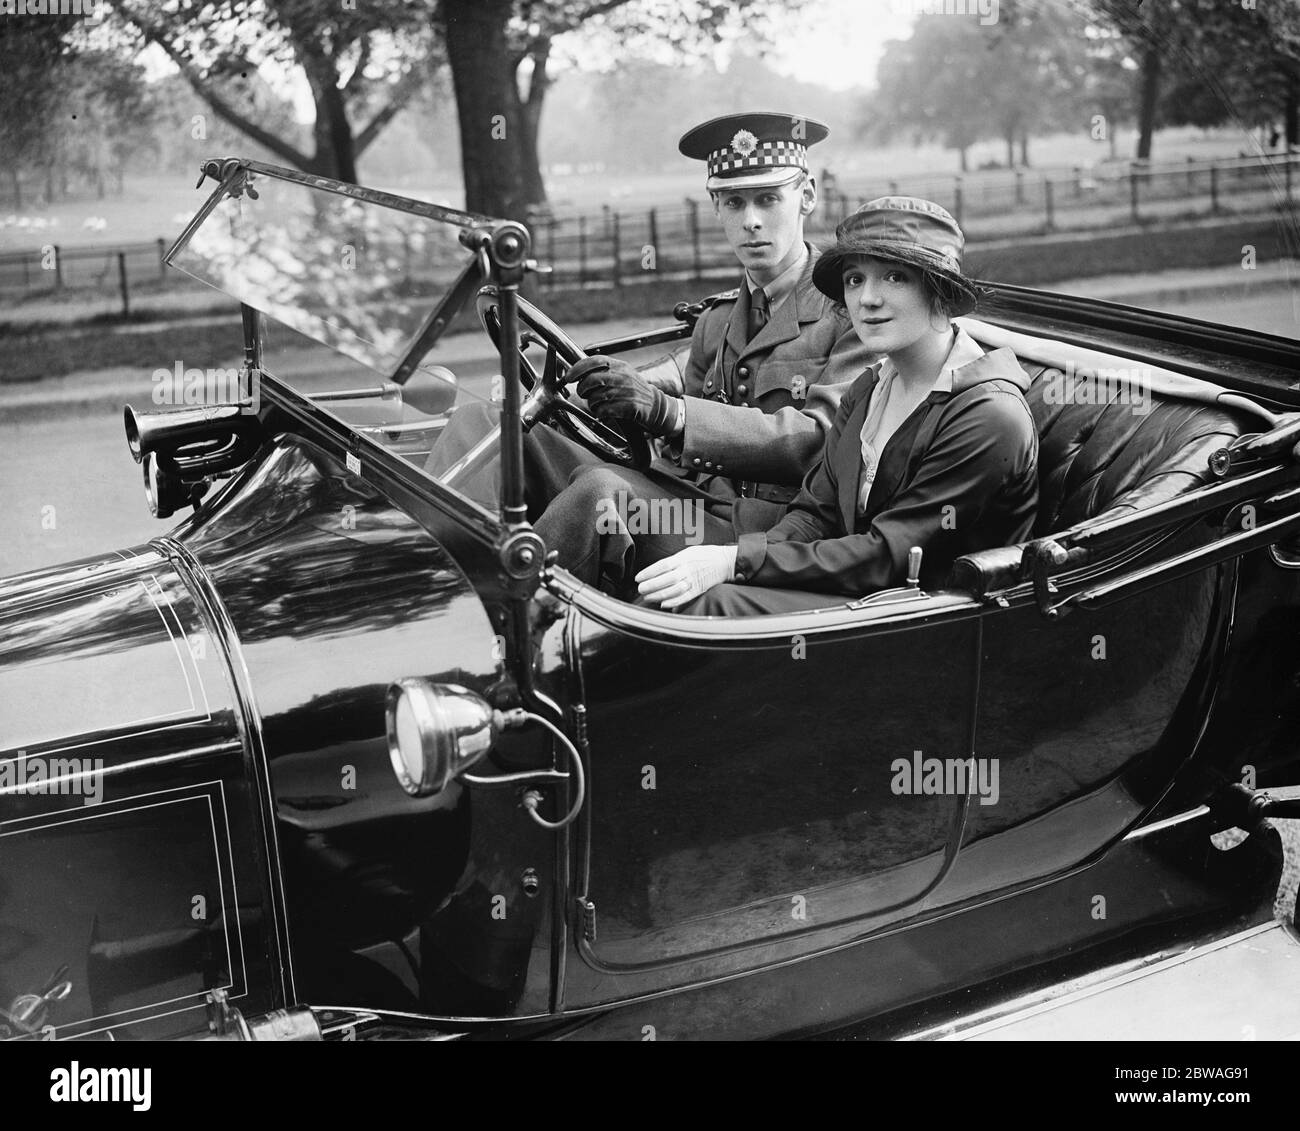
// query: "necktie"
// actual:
[[757, 312]]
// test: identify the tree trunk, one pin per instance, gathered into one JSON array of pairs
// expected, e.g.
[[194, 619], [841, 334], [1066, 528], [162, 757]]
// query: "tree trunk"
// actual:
[[1150, 94], [334, 135], [1291, 108], [487, 100], [1010, 139], [18, 185], [965, 165], [530, 118], [1024, 150], [335, 154]]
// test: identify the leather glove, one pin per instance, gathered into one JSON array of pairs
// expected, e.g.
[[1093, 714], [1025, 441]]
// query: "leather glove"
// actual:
[[687, 574], [618, 394]]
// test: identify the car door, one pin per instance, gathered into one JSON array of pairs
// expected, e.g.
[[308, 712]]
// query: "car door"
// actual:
[[1090, 714], [753, 791]]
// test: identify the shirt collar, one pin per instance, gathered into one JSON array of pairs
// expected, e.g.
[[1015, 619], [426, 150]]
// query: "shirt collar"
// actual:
[[963, 351], [782, 287]]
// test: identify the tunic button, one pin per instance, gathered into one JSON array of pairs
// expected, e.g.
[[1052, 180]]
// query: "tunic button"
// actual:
[[742, 389], [708, 384], [707, 464], [696, 462], [741, 577], [743, 371], [744, 404]]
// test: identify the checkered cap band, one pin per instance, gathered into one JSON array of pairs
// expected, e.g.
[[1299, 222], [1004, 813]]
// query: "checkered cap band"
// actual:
[[766, 155]]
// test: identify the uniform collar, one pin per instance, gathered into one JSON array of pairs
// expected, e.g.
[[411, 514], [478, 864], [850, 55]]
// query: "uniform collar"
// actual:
[[782, 287]]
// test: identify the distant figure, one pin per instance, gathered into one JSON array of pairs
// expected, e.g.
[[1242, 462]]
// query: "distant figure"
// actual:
[[1274, 137]]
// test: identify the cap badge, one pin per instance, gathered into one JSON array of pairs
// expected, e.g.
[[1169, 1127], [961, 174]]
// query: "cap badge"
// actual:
[[744, 143]]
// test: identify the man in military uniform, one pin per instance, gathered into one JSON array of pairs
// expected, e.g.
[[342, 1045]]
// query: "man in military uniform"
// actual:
[[767, 366]]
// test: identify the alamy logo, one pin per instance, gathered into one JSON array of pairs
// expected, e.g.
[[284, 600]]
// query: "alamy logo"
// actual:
[[178, 386], [951, 777], [62, 777], [1125, 385], [102, 1085], [987, 10], [651, 516], [91, 9]]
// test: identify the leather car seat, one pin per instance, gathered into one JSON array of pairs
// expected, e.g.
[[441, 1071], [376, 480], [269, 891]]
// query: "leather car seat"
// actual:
[[1104, 452], [1096, 457]]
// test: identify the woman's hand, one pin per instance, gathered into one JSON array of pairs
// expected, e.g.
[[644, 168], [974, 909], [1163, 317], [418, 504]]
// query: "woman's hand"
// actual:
[[687, 574]]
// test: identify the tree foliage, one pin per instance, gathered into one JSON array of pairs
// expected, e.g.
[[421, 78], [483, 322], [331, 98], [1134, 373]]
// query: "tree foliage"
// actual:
[[1205, 62], [1091, 64], [361, 62], [958, 80]]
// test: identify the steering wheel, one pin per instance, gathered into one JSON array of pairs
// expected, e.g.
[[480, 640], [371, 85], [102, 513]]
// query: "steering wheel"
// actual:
[[548, 400]]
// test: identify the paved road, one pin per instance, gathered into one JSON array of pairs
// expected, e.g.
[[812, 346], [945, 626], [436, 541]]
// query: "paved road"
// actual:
[[69, 489]]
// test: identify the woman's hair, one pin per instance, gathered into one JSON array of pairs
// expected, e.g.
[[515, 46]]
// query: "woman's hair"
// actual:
[[944, 296]]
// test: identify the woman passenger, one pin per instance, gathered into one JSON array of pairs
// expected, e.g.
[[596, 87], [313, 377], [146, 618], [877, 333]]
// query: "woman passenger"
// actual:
[[933, 446]]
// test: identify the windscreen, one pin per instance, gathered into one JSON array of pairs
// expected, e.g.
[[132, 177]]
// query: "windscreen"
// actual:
[[353, 275], [351, 286]]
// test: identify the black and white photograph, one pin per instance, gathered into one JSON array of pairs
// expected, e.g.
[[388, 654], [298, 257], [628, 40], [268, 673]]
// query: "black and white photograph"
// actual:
[[651, 520]]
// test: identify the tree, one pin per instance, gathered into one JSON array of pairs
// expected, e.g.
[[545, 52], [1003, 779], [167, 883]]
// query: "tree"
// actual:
[[499, 53], [1247, 71], [351, 57], [113, 120], [931, 85], [1215, 58], [33, 56], [1029, 70]]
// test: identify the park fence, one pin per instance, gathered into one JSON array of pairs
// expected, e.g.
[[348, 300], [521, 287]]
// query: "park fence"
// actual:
[[614, 248], [55, 268]]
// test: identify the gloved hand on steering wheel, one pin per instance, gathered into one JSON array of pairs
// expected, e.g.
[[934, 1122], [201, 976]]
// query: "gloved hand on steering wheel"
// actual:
[[618, 394]]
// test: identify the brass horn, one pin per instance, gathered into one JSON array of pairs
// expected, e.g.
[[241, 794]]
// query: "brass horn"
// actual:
[[181, 448], [199, 441]]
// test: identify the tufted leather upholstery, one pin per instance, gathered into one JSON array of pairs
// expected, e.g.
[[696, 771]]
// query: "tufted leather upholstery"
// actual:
[[1101, 452], [1096, 457]]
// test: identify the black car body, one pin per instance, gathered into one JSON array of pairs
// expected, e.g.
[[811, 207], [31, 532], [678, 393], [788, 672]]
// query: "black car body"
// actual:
[[341, 756]]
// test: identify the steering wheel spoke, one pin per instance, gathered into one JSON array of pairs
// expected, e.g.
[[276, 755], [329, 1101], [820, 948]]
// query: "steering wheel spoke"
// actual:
[[548, 399]]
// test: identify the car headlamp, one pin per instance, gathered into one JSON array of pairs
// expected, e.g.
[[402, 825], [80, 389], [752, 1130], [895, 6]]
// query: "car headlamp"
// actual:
[[435, 732]]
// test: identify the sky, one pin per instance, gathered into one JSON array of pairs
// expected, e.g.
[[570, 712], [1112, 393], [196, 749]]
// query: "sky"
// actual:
[[839, 42]]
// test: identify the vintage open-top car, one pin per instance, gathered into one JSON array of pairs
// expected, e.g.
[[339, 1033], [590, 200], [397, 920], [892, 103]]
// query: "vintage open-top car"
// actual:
[[346, 755]]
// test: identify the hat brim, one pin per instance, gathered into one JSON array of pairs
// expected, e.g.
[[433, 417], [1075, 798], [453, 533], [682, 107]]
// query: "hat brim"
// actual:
[[759, 178], [958, 292]]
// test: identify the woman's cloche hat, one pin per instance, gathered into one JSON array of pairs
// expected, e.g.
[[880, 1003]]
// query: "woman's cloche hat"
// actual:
[[905, 229]]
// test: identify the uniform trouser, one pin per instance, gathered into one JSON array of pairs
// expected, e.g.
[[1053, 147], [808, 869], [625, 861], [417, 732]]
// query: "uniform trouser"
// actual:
[[606, 523]]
